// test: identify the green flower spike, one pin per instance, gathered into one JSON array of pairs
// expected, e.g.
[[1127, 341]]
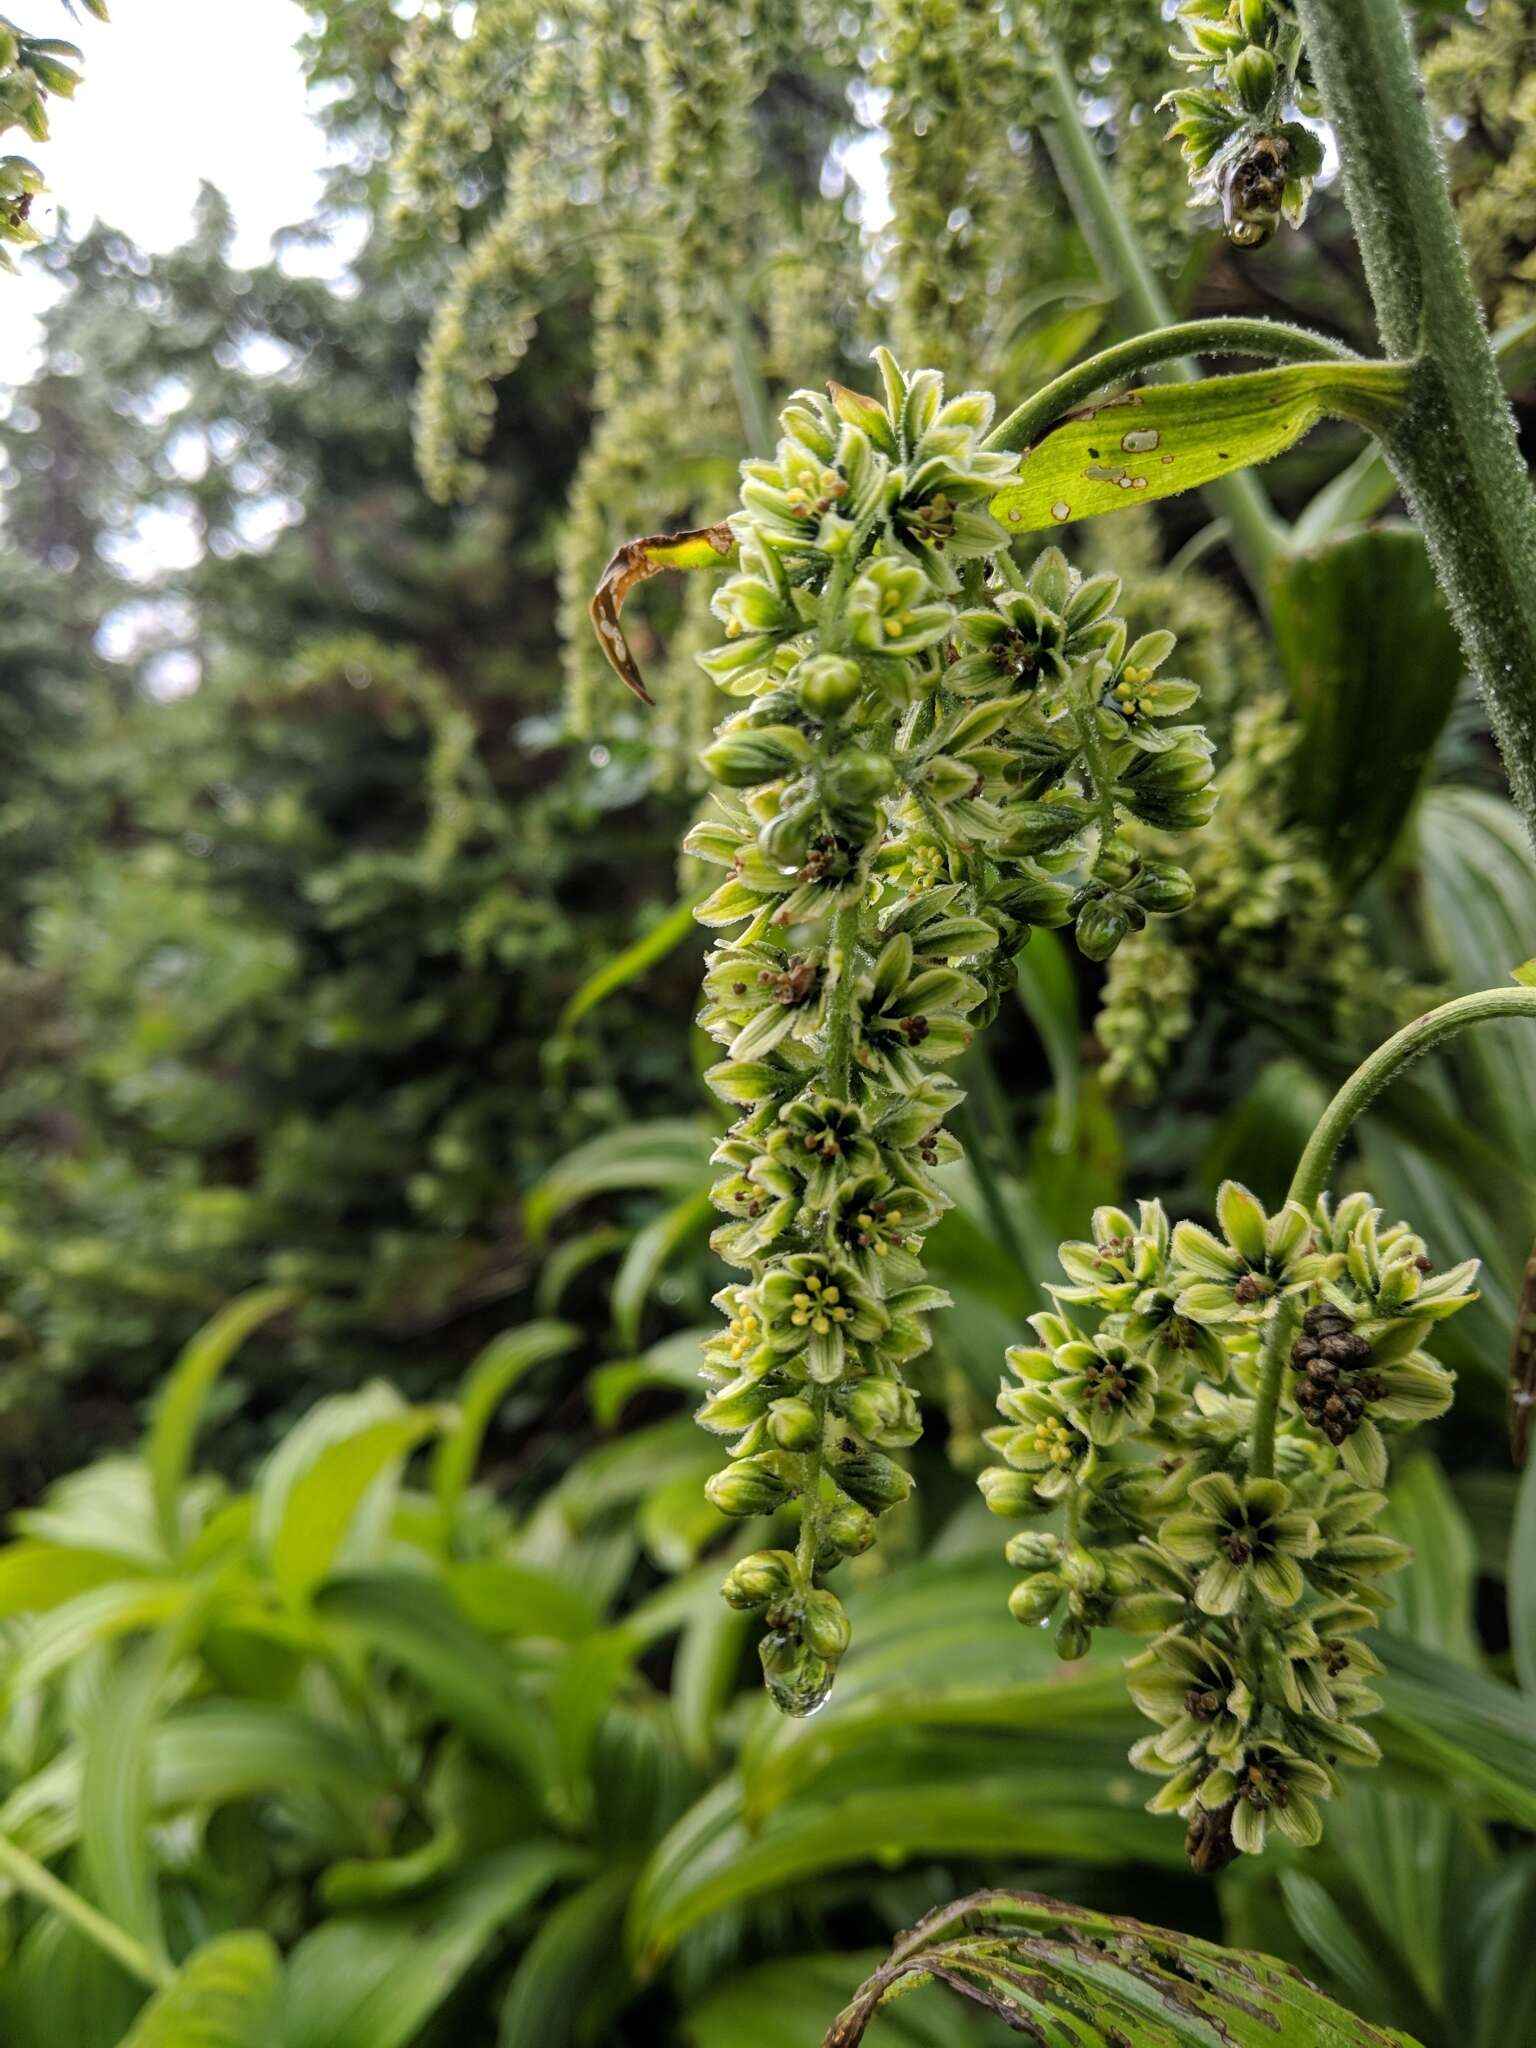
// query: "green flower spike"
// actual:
[[1241, 1275]]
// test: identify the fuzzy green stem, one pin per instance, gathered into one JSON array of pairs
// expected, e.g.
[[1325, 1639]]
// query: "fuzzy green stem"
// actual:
[[1453, 448], [1385, 1064], [39, 1882], [1270, 340], [1256, 534], [1277, 1345]]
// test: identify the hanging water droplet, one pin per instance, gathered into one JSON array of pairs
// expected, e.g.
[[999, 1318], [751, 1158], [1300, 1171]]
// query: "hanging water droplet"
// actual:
[[1140, 440], [798, 1681], [1061, 509]]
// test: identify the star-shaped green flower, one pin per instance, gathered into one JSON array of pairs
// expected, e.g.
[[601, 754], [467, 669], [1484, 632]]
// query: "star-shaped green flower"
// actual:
[[1245, 1538]]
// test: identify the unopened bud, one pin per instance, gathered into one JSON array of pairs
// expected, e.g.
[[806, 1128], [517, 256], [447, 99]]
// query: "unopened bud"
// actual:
[[758, 1580], [749, 1488]]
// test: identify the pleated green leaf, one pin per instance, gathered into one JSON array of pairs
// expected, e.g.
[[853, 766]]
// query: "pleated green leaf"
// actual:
[[490, 1378], [221, 1997], [1064, 1974]]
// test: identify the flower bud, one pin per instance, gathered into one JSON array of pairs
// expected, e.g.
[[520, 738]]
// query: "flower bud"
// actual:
[[827, 684], [1100, 927], [1163, 887], [751, 755], [855, 777], [824, 1625], [1253, 74], [885, 1412], [733, 1408], [849, 1529], [793, 1424], [875, 1482], [1033, 1550], [1035, 1598], [1073, 1639], [1007, 1492], [945, 779], [748, 1488], [755, 1581], [1036, 827]]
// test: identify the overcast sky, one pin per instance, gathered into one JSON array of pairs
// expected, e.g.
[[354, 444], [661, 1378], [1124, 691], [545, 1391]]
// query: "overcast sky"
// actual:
[[175, 91]]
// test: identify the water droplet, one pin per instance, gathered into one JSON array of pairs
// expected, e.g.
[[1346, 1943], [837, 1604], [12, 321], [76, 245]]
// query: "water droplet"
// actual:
[[1140, 441], [1167, 459], [1015, 514], [1061, 509], [798, 1681]]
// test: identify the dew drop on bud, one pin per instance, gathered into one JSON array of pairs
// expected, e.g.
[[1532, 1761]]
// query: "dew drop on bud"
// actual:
[[798, 1681]]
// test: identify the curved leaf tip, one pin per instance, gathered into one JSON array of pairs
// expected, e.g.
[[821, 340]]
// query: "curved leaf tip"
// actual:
[[700, 547]]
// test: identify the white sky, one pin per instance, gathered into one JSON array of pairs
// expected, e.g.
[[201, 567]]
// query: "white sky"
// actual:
[[175, 91]]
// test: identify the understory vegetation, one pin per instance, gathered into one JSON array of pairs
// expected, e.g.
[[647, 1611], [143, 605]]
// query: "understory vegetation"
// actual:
[[768, 1093]]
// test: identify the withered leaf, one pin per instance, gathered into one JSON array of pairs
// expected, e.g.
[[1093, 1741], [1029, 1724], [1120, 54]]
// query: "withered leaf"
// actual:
[[701, 547]]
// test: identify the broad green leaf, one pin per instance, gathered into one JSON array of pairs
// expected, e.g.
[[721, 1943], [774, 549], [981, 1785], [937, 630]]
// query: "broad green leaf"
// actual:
[[1360, 625], [107, 1507], [677, 1524], [586, 1686], [647, 1256], [572, 1969], [179, 1405], [899, 1800], [382, 1880], [313, 1487], [1433, 1599], [1063, 1973], [1467, 1735], [669, 1154], [408, 1619], [221, 1997], [115, 1793], [490, 1378], [1521, 1581], [372, 1980], [99, 1616], [663, 937], [565, 1263], [1162, 439], [1357, 1960], [61, 1991], [203, 1756], [35, 1577], [505, 1598]]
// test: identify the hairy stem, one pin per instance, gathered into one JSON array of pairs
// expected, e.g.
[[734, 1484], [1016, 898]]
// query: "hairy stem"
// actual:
[[1272, 340], [1256, 534], [1385, 1064], [1453, 449], [30, 1876]]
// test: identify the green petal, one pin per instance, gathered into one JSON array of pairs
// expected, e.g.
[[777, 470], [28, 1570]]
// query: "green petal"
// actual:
[[1198, 1252], [1220, 1587], [1279, 1580], [1190, 1537], [1365, 1455], [1216, 1494], [1248, 1827], [1207, 1302], [1242, 1220], [1299, 1820]]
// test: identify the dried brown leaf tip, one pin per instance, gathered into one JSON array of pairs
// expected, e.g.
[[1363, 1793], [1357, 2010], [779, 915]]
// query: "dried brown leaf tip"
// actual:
[[701, 547]]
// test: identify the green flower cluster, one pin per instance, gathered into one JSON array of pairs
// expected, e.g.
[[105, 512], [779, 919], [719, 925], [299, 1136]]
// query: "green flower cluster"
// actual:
[[1241, 141], [935, 752], [1213, 1429], [1481, 75]]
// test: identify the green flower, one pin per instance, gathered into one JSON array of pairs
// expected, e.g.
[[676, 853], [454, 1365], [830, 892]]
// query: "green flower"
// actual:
[[1041, 1442], [1192, 1691], [1122, 1260], [891, 609], [879, 1225], [814, 1307], [822, 1142], [908, 1017], [1242, 1274], [1269, 1783], [1099, 1382], [1246, 1539]]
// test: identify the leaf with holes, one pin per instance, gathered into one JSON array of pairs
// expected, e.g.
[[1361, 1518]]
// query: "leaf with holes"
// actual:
[[1162, 439], [1063, 1973]]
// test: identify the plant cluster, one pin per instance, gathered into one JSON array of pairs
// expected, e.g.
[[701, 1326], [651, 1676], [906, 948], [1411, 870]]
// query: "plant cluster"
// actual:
[[1210, 1412], [1241, 141], [32, 68], [937, 752]]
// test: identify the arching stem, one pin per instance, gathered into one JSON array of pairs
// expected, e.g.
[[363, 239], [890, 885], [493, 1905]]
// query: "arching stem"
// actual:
[[1362, 1087]]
